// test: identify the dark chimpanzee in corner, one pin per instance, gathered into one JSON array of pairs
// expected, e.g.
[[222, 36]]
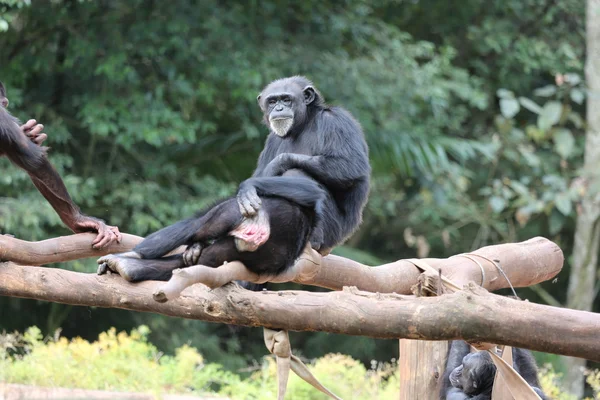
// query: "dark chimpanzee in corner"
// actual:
[[311, 185], [471, 375], [23, 149]]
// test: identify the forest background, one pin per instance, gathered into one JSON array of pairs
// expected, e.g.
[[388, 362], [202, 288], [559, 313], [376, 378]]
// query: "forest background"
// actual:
[[474, 113]]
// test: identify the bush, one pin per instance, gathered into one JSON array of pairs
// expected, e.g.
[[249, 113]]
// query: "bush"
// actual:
[[128, 362], [550, 380]]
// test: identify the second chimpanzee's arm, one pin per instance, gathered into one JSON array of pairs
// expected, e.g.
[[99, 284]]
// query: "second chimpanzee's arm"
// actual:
[[27, 155], [51, 186], [458, 349]]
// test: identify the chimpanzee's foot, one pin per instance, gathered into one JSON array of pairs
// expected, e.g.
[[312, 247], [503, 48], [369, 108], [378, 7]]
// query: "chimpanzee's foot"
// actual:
[[131, 269], [192, 254]]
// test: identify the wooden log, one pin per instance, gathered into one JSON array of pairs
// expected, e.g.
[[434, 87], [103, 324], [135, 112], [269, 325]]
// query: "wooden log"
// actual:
[[525, 264], [472, 314], [64, 248], [421, 364]]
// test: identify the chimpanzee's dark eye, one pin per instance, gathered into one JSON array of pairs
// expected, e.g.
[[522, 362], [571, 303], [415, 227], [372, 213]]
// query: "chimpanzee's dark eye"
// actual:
[[272, 102], [287, 101]]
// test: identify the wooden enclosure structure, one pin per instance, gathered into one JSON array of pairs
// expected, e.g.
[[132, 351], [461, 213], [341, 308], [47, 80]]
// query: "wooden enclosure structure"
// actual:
[[379, 299]]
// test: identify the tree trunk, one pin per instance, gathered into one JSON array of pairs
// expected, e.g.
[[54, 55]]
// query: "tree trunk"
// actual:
[[580, 294]]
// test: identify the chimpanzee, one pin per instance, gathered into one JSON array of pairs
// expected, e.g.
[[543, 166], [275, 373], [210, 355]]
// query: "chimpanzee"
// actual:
[[471, 375], [311, 183], [327, 143], [267, 244], [23, 148]]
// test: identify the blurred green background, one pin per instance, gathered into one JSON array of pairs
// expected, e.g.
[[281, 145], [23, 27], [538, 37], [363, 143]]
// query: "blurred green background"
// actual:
[[473, 111]]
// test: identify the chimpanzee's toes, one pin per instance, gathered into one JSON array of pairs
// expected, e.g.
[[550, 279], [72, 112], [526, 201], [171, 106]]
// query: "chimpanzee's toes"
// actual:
[[192, 254], [102, 269]]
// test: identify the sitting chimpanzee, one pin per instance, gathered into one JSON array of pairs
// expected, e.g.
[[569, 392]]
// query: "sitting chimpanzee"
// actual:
[[311, 184], [471, 375], [22, 147], [326, 143]]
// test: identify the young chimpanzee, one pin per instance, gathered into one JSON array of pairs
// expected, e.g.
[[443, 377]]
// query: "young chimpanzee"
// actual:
[[311, 184], [23, 149], [471, 375]]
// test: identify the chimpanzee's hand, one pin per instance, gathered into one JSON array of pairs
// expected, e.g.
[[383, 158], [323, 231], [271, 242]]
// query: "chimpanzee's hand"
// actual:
[[456, 394], [248, 200], [106, 234], [33, 131], [278, 165]]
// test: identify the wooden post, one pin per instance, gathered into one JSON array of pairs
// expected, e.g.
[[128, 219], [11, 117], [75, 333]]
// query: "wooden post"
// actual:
[[421, 364]]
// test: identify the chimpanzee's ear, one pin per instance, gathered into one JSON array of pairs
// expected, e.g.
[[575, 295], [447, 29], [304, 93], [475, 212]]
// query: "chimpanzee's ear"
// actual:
[[258, 100], [309, 94]]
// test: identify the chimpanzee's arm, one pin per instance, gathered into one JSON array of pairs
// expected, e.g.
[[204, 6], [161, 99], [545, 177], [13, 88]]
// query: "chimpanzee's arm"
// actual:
[[303, 191], [331, 170], [458, 350], [266, 155], [51, 186], [22, 151]]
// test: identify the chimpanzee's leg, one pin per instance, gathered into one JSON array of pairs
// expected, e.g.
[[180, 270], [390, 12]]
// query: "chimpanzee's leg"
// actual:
[[145, 262], [135, 269], [215, 223]]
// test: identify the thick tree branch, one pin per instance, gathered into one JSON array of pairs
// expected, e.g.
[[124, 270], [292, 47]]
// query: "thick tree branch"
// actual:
[[473, 314], [526, 263]]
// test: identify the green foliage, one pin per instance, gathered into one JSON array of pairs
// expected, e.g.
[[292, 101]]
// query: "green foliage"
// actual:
[[550, 381], [345, 377], [122, 362], [113, 362], [537, 148], [473, 115]]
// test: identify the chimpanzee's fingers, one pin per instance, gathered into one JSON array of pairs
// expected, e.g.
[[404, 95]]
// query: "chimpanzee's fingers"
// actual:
[[115, 230], [255, 201], [245, 208], [40, 139], [187, 257], [26, 127], [34, 131], [106, 238], [100, 237], [196, 252]]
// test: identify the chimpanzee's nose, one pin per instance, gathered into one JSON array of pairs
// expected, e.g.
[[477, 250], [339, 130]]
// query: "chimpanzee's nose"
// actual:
[[278, 107]]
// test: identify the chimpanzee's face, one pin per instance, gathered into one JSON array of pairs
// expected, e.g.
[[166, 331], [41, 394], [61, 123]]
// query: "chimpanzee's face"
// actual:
[[284, 103], [475, 369]]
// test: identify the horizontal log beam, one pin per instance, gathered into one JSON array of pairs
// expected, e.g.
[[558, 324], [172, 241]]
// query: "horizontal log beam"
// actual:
[[472, 314], [525, 264]]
